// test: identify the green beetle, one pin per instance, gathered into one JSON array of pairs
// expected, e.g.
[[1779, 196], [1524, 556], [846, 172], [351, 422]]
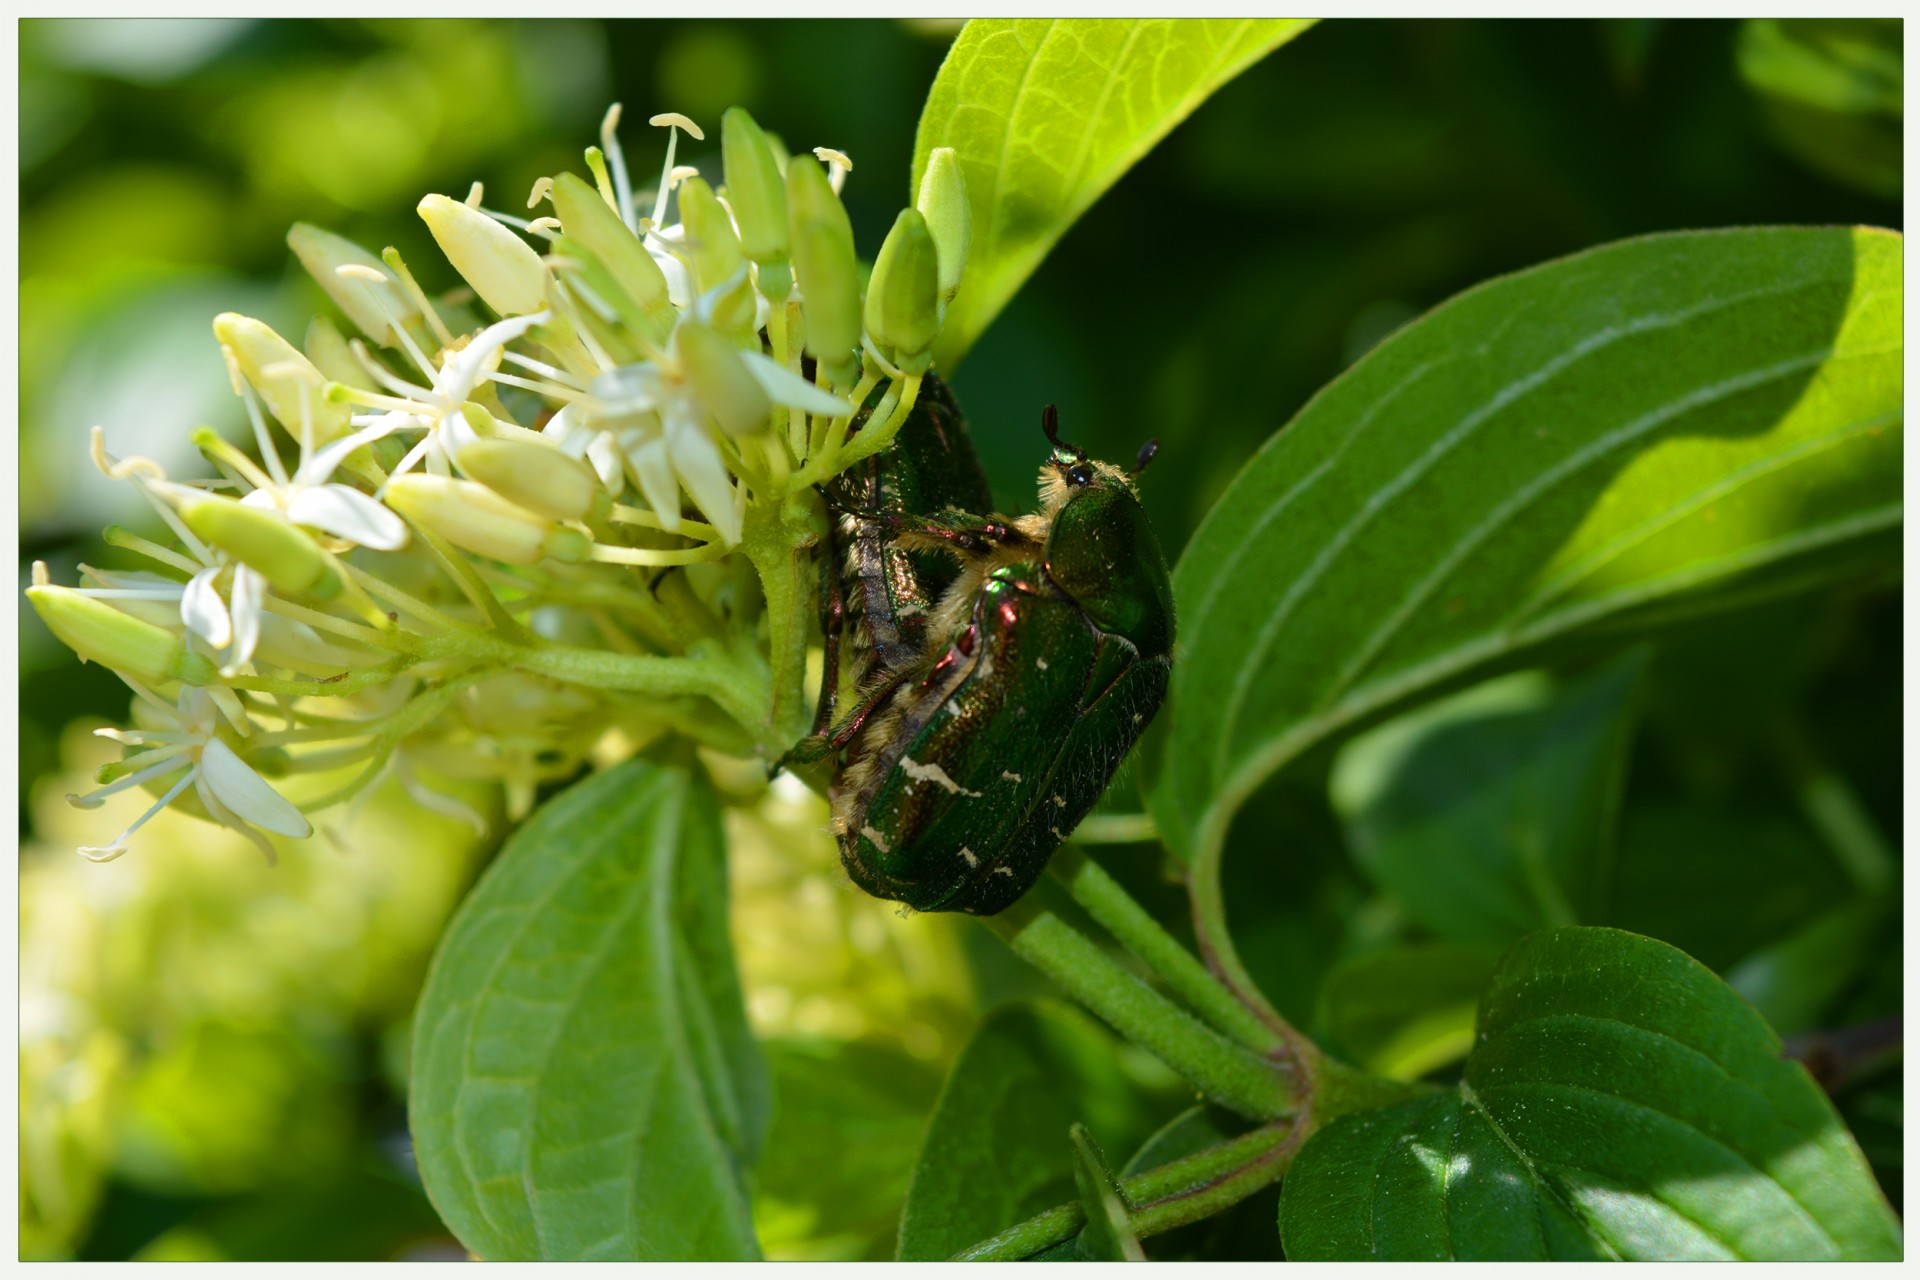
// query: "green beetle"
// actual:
[[1044, 660]]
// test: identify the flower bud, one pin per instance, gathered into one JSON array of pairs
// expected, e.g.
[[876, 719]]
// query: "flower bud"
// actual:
[[294, 391], [287, 558], [721, 381], [903, 297], [587, 220], [502, 268], [534, 474], [733, 307], [754, 188], [328, 350], [710, 237], [475, 518], [821, 241], [943, 203], [374, 306], [100, 633]]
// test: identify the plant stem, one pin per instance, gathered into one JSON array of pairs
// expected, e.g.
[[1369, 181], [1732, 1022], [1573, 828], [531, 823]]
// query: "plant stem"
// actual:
[[1117, 912], [775, 541], [1181, 1191], [1224, 1071]]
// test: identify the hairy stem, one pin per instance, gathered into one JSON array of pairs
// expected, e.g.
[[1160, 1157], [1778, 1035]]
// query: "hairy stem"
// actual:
[[1229, 1074], [1181, 1191], [1117, 912]]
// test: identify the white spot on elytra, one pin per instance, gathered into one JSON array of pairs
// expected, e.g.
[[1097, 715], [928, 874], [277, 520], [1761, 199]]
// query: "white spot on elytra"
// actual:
[[972, 859], [879, 841], [1041, 663], [1061, 801], [1137, 717], [1009, 776], [1003, 871], [933, 773]]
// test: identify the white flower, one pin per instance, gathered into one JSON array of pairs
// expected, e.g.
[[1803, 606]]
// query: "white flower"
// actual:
[[437, 409], [233, 794], [650, 416]]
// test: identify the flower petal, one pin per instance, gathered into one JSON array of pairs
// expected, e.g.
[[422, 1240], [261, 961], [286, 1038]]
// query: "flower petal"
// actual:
[[698, 463], [249, 591], [204, 612], [604, 454], [348, 513], [784, 386], [652, 472], [246, 793], [321, 466], [462, 373]]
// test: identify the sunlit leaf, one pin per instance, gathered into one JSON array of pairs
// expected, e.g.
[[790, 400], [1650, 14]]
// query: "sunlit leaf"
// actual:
[[1404, 1011], [1620, 1102], [584, 1084], [1639, 432], [1046, 113]]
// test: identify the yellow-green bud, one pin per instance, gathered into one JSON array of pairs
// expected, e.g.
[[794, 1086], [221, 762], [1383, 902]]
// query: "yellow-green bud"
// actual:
[[754, 187], [724, 385], [373, 305], [585, 218], [261, 540], [502, 268], [533, 474], [100, 633], [327, 348], [475, 518], [821, 241], [943, 203], [734, 307], [711, 241], [285, 379], [903, 298]]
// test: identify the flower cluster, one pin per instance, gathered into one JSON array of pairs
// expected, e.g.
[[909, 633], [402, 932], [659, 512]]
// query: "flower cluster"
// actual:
[[489, 532]]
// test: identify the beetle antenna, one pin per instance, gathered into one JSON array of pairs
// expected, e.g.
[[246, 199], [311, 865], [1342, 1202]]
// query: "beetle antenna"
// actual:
[[1147, 452], [1050, 423]]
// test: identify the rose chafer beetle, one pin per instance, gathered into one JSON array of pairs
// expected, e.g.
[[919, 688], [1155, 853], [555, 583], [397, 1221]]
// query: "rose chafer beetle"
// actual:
[[966, 760]]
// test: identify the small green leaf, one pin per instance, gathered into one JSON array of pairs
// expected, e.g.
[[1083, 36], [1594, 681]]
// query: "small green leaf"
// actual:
[[993, 1154], [1404, 1011], [1489, 814], [1620, 1102], [1108, 1235], [1046, 113], [584, 1083]]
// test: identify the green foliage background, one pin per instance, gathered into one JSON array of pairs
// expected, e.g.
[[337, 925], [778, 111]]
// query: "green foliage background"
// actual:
[[210, 1050]]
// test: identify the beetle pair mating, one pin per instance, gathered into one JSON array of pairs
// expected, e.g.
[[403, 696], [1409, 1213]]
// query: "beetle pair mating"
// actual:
[[1003, 666]]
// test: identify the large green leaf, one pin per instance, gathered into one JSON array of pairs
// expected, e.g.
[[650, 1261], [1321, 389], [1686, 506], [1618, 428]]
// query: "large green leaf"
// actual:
[[1046, 113], [584, 1083], [996, 1150], [1645, 429], [1620, 1102], [1489, 814]]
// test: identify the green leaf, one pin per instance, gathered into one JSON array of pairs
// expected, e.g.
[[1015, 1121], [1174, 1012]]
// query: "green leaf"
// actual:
[[1108, 1235], [1404, 1011], [864, 1102], [1046, 113], [1794, 981], [1620, 1102], [584, 1083], [1489, 814], [1645, 430], [993, 1154], [1833, 93]]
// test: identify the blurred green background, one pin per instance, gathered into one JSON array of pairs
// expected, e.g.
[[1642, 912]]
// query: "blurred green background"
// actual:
[[213, 1054]]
